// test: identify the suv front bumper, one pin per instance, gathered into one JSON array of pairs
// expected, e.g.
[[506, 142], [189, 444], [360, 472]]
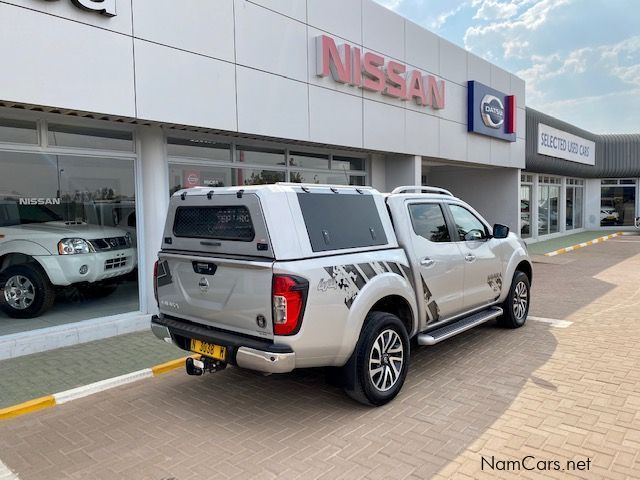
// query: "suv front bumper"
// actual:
[[65, 269], [245, 352]]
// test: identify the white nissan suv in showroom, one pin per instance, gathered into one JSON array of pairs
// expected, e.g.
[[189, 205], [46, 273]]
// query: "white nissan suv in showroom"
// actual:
[[41, 253]]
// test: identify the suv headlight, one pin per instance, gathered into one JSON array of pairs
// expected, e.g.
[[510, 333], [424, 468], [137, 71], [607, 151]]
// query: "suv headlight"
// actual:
[[71, 246], [129, 239]]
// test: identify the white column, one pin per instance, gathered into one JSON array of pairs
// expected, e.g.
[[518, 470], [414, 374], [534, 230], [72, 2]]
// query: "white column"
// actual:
[[153, 192], [377, 172], [534, 207], [562, 208], [402, 170]]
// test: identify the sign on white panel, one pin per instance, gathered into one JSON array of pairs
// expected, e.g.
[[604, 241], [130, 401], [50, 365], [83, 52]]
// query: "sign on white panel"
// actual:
[[557, 143]]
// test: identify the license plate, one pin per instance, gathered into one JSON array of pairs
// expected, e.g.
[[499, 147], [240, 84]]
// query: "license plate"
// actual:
[[209, 349]]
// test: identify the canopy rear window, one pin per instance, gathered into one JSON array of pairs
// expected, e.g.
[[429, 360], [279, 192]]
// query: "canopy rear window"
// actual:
[[225, 222]]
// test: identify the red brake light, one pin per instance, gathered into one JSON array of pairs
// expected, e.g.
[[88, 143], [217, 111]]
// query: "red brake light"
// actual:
[[289, 296], [155, 281]]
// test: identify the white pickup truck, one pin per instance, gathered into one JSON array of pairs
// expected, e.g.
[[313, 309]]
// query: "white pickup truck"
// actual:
[[41, 253], [284, 276]]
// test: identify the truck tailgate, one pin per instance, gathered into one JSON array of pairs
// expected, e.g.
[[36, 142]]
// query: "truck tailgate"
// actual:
[[224, 293]]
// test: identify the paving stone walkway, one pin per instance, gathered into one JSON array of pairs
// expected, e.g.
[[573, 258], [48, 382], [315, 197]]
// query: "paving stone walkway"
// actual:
[[490, 403], [45, 373]]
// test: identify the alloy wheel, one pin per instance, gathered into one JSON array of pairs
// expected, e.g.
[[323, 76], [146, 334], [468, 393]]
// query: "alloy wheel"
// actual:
[[386, 360], [520, 300], [19, 292]]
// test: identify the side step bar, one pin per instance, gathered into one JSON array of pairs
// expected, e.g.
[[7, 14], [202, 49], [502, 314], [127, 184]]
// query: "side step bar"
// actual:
[[448, 331]]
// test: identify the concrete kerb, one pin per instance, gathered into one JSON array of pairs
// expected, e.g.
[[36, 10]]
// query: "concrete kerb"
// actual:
[[60, 398], [583, 244]]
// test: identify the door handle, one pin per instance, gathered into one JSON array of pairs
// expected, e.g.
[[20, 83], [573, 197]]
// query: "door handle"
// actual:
[[427, 262], [470, 257]]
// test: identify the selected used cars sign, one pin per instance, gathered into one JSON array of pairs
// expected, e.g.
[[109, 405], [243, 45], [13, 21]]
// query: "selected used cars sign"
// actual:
[[557, 143]]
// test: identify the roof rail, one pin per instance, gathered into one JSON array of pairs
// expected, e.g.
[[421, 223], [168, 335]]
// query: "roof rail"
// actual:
[[324, 185], [424, 189]]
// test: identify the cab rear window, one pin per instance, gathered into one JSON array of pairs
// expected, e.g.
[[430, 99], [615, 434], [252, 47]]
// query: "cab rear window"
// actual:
[[214, 222]]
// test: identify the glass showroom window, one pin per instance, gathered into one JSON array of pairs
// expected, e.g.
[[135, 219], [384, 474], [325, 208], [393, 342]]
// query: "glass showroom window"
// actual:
[[202, 162], [77, 212], [89, 138], [273, 158], [206, 162], [526, 191], [617, 202], [339, 170], [548, 205], [18, 131], [574, 203]]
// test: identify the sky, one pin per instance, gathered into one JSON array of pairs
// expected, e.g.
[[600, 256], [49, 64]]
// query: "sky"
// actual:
[[580, 58]]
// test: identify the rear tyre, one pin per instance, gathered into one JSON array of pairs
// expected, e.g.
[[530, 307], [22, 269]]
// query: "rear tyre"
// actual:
[[380, 361], [25, 291], [516, 306]]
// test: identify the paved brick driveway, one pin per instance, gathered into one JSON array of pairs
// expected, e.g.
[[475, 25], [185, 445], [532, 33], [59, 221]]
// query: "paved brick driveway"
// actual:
[[556, 394]]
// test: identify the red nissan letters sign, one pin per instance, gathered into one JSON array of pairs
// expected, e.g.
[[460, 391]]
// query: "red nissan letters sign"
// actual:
[[369, 71]]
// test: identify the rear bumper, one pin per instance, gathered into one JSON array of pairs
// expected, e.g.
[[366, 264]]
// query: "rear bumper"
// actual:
[[245, 352]]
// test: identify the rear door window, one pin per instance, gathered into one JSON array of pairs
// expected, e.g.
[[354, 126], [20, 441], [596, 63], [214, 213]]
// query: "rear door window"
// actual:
[[338, 221], [428, 222]]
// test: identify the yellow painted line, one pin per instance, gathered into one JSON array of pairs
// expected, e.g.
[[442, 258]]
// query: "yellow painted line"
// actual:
[[91, 389], [28, 407], [582, 245]]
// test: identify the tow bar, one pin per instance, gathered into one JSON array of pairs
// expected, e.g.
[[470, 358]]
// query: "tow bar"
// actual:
[[198, 366]]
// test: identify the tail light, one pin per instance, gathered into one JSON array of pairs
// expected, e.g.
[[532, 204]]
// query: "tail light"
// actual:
[[155, 282], [289, 299]]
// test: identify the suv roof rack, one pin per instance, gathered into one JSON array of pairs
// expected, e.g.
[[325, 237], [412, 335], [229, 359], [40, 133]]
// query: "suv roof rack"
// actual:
[[420, 188]]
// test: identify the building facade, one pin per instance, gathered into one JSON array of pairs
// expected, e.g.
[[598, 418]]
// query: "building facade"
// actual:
[[108, 107], [111, 106], [576, 180]]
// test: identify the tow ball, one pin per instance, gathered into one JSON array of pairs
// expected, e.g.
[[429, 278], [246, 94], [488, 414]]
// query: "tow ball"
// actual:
[[199, 366]]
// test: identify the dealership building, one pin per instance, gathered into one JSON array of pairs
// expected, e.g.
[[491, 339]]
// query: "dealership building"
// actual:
[[108, 107]]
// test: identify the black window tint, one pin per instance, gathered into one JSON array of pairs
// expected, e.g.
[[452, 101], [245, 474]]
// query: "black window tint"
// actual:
[[428, 222], [219, 223], [335, 221], [466, 221]]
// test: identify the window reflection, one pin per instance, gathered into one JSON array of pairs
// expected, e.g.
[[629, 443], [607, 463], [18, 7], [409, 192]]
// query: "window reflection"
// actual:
[[81, 211]]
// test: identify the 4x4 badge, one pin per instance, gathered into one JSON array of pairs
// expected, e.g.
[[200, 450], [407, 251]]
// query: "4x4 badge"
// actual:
[[203, 284]]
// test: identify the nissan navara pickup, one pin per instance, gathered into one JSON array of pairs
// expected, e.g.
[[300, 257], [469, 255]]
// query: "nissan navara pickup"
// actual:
[[277, 277]]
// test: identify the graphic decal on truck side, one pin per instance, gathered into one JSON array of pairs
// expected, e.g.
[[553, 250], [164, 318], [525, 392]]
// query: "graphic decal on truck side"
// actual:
[[350, 278], [495, 282], [433, 311]]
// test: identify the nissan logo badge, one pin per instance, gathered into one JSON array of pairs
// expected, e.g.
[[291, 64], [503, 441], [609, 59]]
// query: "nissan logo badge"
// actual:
[[492, 111]]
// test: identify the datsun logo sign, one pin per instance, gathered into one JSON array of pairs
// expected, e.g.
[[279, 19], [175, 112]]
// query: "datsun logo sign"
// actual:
[[491, 112]]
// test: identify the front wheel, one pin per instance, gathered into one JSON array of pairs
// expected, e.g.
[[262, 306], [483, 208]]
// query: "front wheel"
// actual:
[[380, 360], [25, 291], [516, 306]]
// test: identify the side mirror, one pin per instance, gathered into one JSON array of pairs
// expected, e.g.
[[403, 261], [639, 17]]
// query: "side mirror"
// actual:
[[500, 231]]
